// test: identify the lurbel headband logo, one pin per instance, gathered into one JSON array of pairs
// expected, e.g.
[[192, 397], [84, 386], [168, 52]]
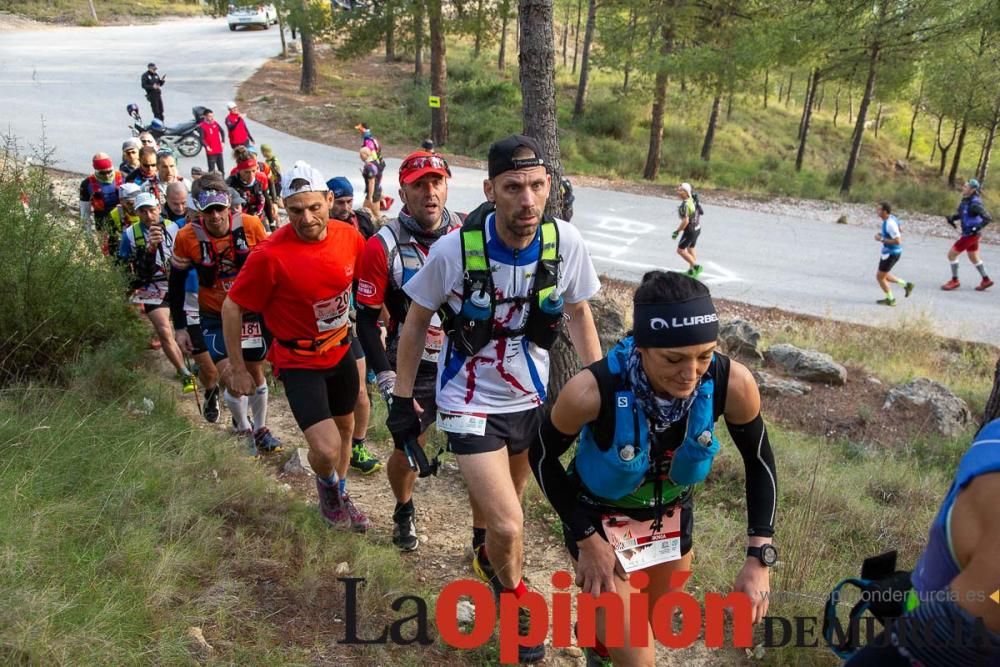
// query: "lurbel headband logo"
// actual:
[[659, 324]]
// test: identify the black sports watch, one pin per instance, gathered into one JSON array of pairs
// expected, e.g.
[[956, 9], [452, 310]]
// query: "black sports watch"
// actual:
[[767, 554]]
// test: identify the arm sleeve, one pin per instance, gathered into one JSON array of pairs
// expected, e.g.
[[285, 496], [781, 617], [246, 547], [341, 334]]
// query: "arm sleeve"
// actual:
[[371, 340], [558, 486], [175, 296], [761, 477]]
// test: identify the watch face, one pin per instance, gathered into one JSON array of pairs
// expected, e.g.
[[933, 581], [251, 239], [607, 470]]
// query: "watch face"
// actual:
[[769, 554]]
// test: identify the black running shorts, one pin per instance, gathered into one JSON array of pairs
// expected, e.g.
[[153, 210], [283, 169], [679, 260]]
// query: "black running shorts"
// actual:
[[197, 339], [689, 238], [318, 394], [514, 430], [885, 265]]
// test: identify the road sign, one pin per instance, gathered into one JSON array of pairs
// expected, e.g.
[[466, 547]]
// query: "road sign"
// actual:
[[434, 102]]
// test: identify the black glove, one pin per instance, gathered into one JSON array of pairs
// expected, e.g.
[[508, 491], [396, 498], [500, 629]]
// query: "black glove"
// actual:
[[403, 422], [950, 221]]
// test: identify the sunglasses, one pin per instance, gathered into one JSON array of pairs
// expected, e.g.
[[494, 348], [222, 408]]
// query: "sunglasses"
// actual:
[[148, 164], [424, 162]]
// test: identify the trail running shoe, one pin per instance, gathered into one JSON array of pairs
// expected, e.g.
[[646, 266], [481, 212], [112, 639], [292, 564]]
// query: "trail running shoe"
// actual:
[[595, 659], [188, 383], [248, 442], [267, 442], [908, 289], [404, 530], [525, 654], [886, 302], [698, 268], [950, 285], [359, 523], [363, 461], [330, 506], [481, 565], [986, 284], [211, 409]]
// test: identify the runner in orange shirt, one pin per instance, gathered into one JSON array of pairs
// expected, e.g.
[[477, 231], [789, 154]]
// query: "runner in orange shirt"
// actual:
[[301, 281]]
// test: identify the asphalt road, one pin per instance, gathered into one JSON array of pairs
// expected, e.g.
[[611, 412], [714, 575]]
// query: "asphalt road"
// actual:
[[75, 82]]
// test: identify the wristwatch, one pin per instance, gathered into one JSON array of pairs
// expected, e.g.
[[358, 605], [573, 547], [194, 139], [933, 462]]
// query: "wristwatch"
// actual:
[[767, 554]]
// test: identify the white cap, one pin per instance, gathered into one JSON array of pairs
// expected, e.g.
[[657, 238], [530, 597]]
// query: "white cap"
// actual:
[[302, 171], [129, 190], [686, 187], [145, 199], [230, 105]]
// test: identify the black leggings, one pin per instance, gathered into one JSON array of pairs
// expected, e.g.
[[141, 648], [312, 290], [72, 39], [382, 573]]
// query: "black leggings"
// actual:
[[316, 394]]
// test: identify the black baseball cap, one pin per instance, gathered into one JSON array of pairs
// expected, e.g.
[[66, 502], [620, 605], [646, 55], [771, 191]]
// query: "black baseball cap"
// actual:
[[151, 66], [501, 157]]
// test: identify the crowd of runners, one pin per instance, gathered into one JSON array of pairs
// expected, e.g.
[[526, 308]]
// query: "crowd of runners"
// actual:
[[451, 316]]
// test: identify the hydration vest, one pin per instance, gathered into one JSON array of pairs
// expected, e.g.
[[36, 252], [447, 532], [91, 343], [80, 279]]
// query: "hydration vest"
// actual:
[[473, 327], [968, 220], [144, 264], [613, 470], [208, 267], [103, 196]]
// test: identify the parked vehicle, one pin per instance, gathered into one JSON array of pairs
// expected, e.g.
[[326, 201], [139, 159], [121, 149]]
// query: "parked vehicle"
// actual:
[[184, 138], [262, 15]]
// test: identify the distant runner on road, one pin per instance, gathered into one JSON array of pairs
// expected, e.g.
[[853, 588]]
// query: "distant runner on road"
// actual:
[[973, 217], [689, 228], [892, 249]]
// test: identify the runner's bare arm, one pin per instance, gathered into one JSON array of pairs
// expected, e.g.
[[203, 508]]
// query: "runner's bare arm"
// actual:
[[411, 344], [583, 332], [232, 328], [976, 538]]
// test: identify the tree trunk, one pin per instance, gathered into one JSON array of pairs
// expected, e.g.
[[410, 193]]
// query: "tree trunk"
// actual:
[[781, 90], [478, 38], [937, 137], [565, 35], [729, 106], [633, 22], [850, 107], [944, 148], [537, 71], [913, 129], [502, 57], [984, 161], [390, 33], [836, 107], [953, 174], [588, 38], [281, 31], [439, 73], [806, 118], [806, 105], [819, 98], [878, 119], [992, 410], [576, 33], [418, 40], [609, 318], [788, 91], [307, 85], [767, 84], [652, 168], [859, 126], [713, 119]]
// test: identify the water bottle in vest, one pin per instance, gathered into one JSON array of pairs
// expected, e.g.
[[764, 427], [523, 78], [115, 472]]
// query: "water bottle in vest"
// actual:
[[477, 307], [553, 305]]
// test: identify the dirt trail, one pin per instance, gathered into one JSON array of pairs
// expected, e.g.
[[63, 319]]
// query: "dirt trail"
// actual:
[[443, 523]]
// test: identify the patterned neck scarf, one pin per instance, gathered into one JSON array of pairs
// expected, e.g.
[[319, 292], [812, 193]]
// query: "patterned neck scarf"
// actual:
[[423, 236], [661, 412]]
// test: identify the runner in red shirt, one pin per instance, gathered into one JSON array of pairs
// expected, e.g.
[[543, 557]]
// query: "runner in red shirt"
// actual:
[[212, 136], [301, 281]]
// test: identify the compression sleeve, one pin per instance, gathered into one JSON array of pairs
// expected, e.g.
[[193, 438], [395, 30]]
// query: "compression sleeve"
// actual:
[[175, 296], [761, 477], [371, 338], [559, 487]]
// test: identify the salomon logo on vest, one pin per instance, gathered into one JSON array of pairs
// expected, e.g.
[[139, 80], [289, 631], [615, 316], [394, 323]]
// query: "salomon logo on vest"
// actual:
[[658, 323]]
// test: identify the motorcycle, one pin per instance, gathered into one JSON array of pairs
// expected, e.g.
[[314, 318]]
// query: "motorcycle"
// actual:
[[184, 138]]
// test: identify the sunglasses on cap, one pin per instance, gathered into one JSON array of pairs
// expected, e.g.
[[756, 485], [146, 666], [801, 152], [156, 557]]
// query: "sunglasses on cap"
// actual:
[[207, 199], [424, 162]]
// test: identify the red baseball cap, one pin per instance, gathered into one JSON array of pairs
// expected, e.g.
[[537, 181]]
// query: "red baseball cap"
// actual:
[[421, 163]]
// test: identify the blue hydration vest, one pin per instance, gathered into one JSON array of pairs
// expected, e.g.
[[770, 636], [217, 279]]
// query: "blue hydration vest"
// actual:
[[968, 220], [621, 468], [937, 567], [894, 249]]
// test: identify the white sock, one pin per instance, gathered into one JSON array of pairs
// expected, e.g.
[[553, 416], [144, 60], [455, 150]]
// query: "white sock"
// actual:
[[258, 407], [238, 407]]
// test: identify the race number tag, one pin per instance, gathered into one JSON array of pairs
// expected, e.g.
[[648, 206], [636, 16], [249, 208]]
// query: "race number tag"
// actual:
[[251, 337], [637, 546], [150, 295], [461, 423], [433, 343], [333, 313]]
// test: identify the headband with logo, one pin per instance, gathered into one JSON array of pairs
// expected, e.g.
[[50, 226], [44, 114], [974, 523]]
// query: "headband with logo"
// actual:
[[691, 322]]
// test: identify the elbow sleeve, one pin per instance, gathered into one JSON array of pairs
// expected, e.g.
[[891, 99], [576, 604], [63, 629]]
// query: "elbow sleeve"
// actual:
[[371, 338], [558, 486], [761, 477]]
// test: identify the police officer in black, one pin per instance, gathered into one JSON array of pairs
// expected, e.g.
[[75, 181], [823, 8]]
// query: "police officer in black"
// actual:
[[151, 83]]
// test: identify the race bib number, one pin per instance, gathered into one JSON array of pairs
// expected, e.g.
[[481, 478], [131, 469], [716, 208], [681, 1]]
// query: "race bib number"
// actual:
[[333, 313], [462, 423], [150, 295], [637, 546], [251, 337], [433, 342]]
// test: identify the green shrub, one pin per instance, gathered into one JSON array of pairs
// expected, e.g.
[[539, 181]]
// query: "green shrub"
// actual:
[[62, 298], [613, 118]]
